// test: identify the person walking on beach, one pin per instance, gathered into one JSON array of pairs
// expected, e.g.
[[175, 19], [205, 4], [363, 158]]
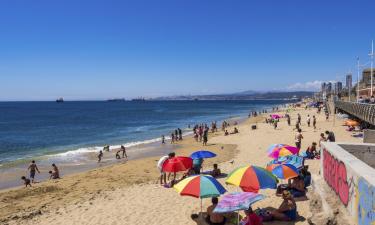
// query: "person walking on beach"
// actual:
[[179, 134], [297, 125], [162, 139], [123, 149], [298, 138], [314, 122], [308, 120], [100, 156], [176, 135], [172, 138], [275, 124], [33, 169], [288, 119], [299, 119], [205, 136]]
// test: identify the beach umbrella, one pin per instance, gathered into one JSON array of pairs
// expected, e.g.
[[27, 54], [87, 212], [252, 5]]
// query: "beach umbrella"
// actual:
[[352, 123], [295, 160], [237, 201], [252, 178], [283, 171], [200, 186], [177, 164], [279, 150], [276, 116], [202, 154]]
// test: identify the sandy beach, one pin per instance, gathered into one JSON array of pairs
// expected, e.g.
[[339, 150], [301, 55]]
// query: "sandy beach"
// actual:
[[128, 193]]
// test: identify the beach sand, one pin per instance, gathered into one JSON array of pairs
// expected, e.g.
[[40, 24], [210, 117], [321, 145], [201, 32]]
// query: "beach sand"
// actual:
[[128, 193]]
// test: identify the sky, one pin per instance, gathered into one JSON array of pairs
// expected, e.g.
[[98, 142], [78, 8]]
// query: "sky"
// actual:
[[87, 50]]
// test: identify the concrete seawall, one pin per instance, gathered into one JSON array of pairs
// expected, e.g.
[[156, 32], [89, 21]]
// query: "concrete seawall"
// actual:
[[348, 170]]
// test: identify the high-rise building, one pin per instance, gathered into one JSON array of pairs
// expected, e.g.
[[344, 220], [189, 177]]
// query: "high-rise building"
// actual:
[[349, 82], [323, 87], [329, 87], [338, 87]]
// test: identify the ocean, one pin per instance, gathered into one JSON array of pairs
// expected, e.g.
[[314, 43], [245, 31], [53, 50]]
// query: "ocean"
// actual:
[[65, 132]]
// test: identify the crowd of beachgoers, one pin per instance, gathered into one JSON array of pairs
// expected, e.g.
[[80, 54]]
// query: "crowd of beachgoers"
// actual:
[[287, 165], [295, 188]]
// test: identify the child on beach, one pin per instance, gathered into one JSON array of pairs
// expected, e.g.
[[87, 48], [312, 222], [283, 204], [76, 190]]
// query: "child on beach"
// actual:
[[100, 156], [26, 181], [118, 155], [216, 171]]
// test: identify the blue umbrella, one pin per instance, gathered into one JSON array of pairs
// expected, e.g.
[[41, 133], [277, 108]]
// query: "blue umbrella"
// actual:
[[202, 154]]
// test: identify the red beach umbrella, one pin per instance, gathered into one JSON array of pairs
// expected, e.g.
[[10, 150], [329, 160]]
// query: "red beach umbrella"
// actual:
[[177, 164]]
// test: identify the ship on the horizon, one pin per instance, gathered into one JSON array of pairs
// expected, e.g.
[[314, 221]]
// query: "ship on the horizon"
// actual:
[[140, 99], [59, 100], [116, 100]]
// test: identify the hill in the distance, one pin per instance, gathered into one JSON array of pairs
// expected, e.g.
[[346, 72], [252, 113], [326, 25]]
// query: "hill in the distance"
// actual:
[[246, 95]]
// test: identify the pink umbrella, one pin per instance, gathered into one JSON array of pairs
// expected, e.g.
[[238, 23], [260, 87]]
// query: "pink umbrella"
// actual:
[[276, 116], [280, 150]]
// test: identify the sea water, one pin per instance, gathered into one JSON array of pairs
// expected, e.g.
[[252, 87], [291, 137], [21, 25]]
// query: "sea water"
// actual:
[[65, 132]]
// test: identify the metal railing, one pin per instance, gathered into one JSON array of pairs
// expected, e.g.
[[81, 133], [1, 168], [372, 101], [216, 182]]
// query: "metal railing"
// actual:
[[363, 111]]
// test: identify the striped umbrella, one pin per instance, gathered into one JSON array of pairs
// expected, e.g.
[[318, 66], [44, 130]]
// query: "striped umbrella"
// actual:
[[279, 150], [252, 178], [283, 171], [200, 186]]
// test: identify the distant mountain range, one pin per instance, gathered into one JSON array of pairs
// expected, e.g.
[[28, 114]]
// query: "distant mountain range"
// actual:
[[245, 95]]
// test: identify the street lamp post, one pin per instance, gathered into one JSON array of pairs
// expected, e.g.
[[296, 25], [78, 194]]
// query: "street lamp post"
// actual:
[[372, 61], [357, 79]]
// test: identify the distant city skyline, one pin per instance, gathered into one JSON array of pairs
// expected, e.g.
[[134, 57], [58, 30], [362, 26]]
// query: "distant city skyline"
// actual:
[[88, 50]]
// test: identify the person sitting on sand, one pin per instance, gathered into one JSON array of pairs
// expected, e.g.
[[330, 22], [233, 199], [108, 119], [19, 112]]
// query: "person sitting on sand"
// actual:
[[226, 133], [26, 181], [235, 131], [216, 171], [287, 210], [296, 186], [212, 217], [251, 218], [52, 175], [56, 170], [311, 151]]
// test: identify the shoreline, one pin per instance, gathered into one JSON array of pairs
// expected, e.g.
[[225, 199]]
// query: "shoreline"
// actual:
[[78, 162]]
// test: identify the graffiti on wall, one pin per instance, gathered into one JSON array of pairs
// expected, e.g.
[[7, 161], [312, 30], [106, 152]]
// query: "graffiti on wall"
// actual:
[[336, 176], [365, 203]]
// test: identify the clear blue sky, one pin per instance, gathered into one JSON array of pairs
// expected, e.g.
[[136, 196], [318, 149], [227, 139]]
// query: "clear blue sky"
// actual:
[[102, 49]]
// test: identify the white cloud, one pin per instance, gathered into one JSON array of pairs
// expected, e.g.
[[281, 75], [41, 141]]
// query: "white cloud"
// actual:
[[307, 86]]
